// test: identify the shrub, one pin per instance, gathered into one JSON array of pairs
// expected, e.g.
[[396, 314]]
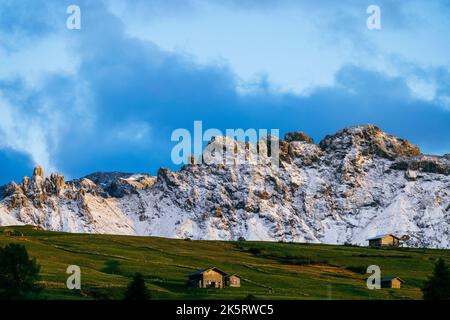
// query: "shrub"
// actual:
[[255, 250], [111, 267]]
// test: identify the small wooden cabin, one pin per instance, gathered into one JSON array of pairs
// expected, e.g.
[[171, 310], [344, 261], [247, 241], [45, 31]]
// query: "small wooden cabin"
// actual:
[[392, 282], [8, 232], [207, 278], [384, 240], [233, 281]]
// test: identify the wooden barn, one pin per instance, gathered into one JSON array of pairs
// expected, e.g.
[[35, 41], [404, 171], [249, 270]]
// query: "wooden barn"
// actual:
[[207, 278], [8, 232], [392, 282], [213, 278], [233, 281], [384, 240]]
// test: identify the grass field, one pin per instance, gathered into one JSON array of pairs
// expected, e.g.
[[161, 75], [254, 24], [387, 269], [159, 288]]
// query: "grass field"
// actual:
[[268, 270]]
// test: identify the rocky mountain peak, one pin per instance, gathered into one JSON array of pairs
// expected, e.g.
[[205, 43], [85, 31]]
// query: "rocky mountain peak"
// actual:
[[54, 184], [298, 136], [369, 140]]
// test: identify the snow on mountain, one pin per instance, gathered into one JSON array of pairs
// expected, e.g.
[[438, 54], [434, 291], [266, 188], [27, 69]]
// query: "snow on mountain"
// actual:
[[353, 185]]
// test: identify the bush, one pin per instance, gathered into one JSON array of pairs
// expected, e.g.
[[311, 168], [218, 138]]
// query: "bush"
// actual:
[[438, 285], [18, 274], [241, 239], [137, 290], [111, 267], [255, 250]]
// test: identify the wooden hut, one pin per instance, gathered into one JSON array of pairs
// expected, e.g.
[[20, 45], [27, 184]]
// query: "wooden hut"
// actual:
[[8, 232], [233, 281], [392, 282], [384, 240], [207, 278]]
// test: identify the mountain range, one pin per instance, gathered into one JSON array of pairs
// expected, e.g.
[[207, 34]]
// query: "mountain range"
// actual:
[[355, 184]]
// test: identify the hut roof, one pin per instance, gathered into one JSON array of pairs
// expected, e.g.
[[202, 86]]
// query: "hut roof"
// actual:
[[392, 278], [380, 236], [200, 271]]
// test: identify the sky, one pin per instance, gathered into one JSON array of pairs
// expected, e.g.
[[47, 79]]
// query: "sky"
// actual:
[[108, 96]]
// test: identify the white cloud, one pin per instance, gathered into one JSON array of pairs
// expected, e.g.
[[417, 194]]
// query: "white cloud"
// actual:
[[299, 46], [422, 89], [33, 61], [135, 132], [20, 133]]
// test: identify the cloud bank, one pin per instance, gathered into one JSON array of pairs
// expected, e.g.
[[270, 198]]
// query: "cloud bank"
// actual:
[[108, 96]]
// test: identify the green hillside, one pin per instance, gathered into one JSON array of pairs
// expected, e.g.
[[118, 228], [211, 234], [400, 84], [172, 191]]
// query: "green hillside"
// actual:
[[269, 270]]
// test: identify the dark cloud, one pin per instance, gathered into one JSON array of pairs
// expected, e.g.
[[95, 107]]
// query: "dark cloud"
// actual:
[[118, 111]]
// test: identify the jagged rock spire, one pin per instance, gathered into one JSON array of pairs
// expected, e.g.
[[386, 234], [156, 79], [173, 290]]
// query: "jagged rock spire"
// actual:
[[38, 172]]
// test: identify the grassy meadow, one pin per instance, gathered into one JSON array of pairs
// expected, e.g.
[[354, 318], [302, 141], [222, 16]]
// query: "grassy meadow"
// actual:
[[269, 270]]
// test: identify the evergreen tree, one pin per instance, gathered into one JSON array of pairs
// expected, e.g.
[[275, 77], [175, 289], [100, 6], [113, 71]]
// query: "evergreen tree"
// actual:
[[137, 289], [438, 285], [18, 273]]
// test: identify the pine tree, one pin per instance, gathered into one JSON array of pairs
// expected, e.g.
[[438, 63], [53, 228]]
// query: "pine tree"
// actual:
[[18, 274], [438, 285], [137, 289]]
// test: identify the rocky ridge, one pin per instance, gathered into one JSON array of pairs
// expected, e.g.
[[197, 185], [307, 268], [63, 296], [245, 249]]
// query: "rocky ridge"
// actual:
[[352, 185]]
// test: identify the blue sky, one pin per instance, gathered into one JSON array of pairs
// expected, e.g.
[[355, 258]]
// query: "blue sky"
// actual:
[[107, 97]]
